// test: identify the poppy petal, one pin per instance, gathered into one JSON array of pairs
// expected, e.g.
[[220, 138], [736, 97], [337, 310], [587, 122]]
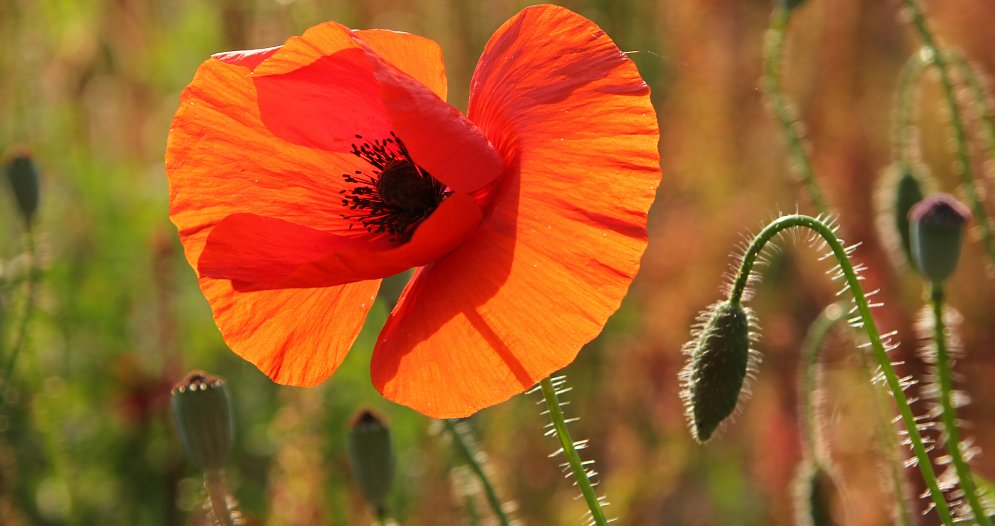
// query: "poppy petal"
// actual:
[[438, 136], [419, 57], [221, 160], [573, 121], [260, 253], [248, 58]]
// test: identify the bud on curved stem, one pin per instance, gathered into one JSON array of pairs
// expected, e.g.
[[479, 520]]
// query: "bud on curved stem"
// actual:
[[371, 458], [22, 174]]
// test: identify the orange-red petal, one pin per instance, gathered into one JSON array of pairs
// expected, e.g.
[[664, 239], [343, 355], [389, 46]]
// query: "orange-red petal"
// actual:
[[222, 160], [260, 253], [573, 122]]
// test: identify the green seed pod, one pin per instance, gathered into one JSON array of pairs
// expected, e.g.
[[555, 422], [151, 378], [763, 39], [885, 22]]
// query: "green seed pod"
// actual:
[[202, 411], [901, 186], [937, 233], [813, 493], [23, 177], [720, 364], [789, 4], [371, 457]]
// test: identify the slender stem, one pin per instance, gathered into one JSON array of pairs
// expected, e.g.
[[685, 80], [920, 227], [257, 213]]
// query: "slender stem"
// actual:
[[570, 452], [783, 111], [812, 440], [870, 328], [217, 495], [29, 305], [939, 61], [473, 460], [982, 103], [904, 130], [949, 416]]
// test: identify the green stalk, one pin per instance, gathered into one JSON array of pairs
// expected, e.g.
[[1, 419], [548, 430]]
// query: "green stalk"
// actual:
[[939, 61], [783, 111], [869, 326], [472, 460], [22, 330], [949, 416], [217, 495], [811, 349], [570, 452], [982, 104], [904, 127]]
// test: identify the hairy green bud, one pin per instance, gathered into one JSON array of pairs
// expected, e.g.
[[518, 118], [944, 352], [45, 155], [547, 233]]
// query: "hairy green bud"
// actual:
[[937, 233], [202, 411], [721, 362], [371, 457]]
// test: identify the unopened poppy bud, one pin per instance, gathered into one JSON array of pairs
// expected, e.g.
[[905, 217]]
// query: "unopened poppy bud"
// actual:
[[814, 491], [202, 410], [371, 457], [937, 233], [23, 177], [720, 363], [902, 186], [789, 4]]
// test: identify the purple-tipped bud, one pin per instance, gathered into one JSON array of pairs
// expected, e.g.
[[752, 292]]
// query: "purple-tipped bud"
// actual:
[[202, 410], [371, 457], [22, 174], [937, 233]]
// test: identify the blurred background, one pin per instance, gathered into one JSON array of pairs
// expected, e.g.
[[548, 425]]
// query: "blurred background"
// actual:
[[90, 87]]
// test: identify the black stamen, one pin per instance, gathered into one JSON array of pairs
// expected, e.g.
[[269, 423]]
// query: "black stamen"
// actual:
[[396, 195]]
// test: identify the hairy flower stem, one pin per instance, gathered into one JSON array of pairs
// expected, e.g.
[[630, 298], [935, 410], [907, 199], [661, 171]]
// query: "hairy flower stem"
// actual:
[[29, 306], [949, 416], [218, 498], [472, 459], [979, 97], [570, 452], [870, 328], [939, 61], [783, 111], [904, 131]]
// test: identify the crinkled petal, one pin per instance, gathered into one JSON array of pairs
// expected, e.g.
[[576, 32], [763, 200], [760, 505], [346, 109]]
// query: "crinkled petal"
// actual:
[[221, 160], [573, 122], [259, 253]]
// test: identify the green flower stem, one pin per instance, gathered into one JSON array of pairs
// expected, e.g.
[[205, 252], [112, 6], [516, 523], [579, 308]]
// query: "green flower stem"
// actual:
[[870, 328], [939, 61], [904, 132], [472, 459], [811, 350], [29, 306], [570, 452], [217, 495], [982, 103], [949, 416], [783, 111]]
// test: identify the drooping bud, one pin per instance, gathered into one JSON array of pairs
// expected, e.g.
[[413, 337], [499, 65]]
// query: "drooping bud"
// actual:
[[721, 362], [813, 494], [202, 411], [371, 457], [788, 5], [22, 174], [937, 233], [902, 186]]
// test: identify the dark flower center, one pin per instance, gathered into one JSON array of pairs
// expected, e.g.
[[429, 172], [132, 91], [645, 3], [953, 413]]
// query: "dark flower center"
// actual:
[[395, 194]]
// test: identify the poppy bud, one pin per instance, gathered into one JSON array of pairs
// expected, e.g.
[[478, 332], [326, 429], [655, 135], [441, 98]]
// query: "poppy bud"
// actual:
[[202, 410], [937, 233], [371, 457], [788, 5], [23, 177], [814, 489], [902, 186], [720, 362]]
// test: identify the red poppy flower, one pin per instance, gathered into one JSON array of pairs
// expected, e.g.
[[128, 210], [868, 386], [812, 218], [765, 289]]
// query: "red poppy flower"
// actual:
[[301, 175]]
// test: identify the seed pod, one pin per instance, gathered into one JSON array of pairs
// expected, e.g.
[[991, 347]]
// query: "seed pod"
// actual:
[[937, 233], [813, 493], [202, 410], [22, 174], [902, 186], [720, 364], [371, 457]]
